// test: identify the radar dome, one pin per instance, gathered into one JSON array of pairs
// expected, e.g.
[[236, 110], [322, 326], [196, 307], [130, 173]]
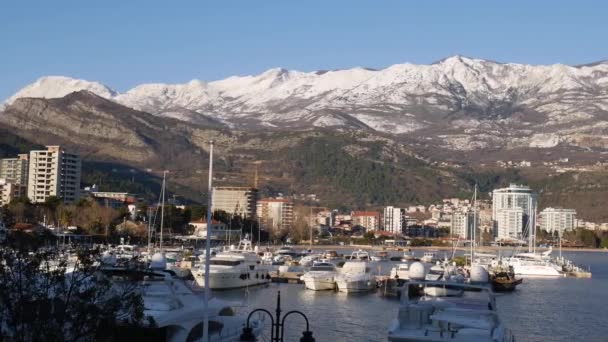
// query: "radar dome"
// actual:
[[158, 261], [479, 275], [417, 271]]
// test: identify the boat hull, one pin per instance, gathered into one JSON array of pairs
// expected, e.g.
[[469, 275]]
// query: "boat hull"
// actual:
[[505, 285], [319, 284], [225, 281], [435, 291], [353, 286]]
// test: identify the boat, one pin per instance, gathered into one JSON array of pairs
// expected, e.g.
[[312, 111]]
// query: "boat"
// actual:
[[429, 257], [235, 268], [435, 319], [126, 252], [524, 266], [321, 276], [356, 275], [505, 281], [267, 258], [446, 275], [177, 312], [400, 271], [331, 255], [308, 260], [380, 256], [408, 256], [287, 251]]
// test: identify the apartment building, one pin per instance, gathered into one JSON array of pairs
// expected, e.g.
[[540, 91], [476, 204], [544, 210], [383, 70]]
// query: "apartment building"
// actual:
[[514, 212], [54, 172], [557, 219], [368, 219], [14, 170], [10, 190], [275, 213], [393, 219]]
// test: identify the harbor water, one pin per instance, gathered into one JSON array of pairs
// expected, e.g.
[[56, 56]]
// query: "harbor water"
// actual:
[[541, 309]]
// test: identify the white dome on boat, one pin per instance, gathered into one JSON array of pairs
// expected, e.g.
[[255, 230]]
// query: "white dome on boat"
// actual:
[[158, 261], [479, 274], [417, 271]]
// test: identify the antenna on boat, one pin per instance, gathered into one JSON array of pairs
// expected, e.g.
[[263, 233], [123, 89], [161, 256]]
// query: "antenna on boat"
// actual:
[[208, 246]]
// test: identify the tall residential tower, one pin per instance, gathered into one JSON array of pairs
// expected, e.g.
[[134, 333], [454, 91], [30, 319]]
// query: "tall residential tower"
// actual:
[[54, 172]]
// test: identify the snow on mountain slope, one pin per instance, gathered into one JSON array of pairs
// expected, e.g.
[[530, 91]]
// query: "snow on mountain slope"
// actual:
[[400, 99], [59, 86]]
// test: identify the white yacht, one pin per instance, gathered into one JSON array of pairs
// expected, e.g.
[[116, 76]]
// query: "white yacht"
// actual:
[[449, 319], [267, 258], [321, 276], [235, 268], [178, 313], [356, 275], [400, 271], [309, 260], [287, 250], [126, 252], [532, 267], [380, 256]]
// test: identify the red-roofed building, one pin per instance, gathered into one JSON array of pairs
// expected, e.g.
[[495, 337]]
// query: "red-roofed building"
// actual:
[[368, 219]]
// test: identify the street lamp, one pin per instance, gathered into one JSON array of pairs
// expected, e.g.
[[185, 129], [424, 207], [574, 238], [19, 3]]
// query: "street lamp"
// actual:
[[277, 331]]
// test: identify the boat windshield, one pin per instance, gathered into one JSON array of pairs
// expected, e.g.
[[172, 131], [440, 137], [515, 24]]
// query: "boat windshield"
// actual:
[[322, 268], [224, 262]]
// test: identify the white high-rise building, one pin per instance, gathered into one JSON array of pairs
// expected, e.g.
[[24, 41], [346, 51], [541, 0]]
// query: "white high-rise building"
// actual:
[[393, 219], [14, 170], [235, 200], [54, 172], [463, 223], [557, 219], [514, 212]]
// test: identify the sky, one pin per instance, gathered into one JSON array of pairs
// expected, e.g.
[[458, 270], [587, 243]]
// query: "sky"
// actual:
[[125, 43]]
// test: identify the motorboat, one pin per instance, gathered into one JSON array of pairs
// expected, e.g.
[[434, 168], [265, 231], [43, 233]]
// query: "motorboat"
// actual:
[[267, 258], [281, 259], [380, 256], [235, 268], [308, 260], [436, 319], [331, 255], [126, 252], [287, 250], [356, 275], [445, 275], [177, 312], [429, 257], [408, 256], [400, 271], [321, 276], [359, 255]]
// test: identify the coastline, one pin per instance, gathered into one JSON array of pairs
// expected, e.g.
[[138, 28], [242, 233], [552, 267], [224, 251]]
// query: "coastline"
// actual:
[[443, 248]]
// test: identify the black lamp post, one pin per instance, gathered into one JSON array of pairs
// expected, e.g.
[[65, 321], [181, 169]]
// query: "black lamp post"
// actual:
[[278, 325]]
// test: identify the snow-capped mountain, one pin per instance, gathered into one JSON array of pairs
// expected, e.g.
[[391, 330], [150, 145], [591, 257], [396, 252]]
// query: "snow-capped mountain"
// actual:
[[461, 103]]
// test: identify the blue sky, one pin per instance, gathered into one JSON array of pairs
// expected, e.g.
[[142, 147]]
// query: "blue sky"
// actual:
[[125, 43]]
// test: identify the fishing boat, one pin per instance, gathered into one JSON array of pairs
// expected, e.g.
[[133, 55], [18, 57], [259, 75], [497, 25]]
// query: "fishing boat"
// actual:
[[433, 319], [505, 282]]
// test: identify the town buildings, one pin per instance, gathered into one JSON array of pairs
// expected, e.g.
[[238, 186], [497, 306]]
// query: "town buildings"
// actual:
[[557, 219], [514, 212], [370, 220], [235, 200], [10, 190], [53, 172], [14, 170], [275, 214], [463, 223]]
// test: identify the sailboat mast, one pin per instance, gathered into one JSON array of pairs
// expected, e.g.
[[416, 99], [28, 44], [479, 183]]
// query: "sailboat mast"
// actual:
[[208, 246], [162, 210], [474, 224]]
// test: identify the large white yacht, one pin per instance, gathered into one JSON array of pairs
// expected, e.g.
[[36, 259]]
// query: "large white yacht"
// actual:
[[238, 267], [431, 319], [356, 275], [532, 267], [321, 276], [178, 313]]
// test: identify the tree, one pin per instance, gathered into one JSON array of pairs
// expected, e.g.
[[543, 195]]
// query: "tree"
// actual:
[[38, 300]]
